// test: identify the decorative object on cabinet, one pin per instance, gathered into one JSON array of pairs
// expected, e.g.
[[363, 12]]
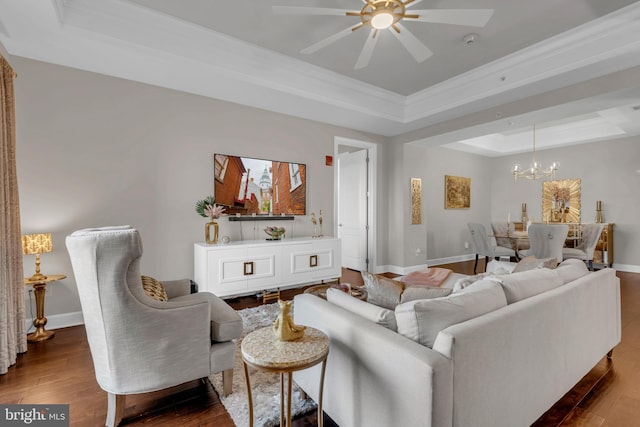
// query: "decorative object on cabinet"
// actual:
[[524, 217], [320, 223], [599, 216], [416, 201], [207, 208], [275, 233], [457, 192], [37, 244], [314, 221], [242, 268], [248, 185], [561, 201]]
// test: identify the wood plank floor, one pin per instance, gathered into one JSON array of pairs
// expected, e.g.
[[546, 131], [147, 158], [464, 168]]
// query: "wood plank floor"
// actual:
[[60, 371]]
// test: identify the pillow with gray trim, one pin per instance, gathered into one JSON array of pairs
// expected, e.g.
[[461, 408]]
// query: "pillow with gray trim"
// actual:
[[413, 293], [531, 263], [379, 315], [422, 320], [382, 291]]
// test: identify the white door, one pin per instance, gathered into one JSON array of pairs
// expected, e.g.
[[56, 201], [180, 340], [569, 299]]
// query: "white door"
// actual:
[[352, 209]]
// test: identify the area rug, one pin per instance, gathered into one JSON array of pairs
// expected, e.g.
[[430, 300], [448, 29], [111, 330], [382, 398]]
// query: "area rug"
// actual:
[[265, 386]]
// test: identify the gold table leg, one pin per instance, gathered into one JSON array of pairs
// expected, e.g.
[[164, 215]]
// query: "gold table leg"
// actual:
[[324, 367], [40, 321], [250, 397]]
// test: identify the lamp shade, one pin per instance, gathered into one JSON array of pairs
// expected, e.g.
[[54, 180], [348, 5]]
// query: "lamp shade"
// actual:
[[36, 243]]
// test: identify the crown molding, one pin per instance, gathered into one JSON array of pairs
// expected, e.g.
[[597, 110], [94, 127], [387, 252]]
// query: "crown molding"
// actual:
[[126, 40], [587, 51]]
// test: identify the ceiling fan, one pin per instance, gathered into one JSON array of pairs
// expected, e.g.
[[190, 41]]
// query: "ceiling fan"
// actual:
[[387, 14]]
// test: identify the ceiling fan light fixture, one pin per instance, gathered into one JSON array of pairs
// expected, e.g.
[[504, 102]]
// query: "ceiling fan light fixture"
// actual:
[[382, 20]]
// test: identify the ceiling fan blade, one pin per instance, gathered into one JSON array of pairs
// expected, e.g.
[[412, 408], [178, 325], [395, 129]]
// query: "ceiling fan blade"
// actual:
[[470, 17], [297, 10], [410, 3], [331, 39], [416, 48], [367, 50]]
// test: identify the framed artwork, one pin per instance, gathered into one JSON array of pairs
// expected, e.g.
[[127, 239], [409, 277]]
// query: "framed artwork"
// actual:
[[457, 192], [416, 201], [561, 200]]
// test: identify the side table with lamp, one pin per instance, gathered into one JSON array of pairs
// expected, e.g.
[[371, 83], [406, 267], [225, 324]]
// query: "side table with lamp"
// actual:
[[38, 244]]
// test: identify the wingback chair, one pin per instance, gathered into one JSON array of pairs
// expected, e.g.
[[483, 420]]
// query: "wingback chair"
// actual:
[[546, 240], [584, 251], [484, 245], [139, 344]]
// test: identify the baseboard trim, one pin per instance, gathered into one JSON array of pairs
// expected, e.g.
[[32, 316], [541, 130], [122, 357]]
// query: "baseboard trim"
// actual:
[[57, 321], [627, 268]]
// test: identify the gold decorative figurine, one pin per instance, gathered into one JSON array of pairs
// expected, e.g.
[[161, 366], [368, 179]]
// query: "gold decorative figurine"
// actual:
[[283, 326]]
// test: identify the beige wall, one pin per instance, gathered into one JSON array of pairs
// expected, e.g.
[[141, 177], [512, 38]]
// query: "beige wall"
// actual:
[[95, 150]]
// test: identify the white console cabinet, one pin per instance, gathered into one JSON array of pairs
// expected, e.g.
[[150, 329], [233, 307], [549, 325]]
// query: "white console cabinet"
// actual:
[[251, 266]]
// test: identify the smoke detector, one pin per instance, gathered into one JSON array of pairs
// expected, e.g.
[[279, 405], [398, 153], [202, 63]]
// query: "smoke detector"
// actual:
[[470, 38]]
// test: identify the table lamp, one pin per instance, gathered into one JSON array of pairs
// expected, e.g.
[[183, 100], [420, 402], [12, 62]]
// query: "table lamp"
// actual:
[[37, 244]]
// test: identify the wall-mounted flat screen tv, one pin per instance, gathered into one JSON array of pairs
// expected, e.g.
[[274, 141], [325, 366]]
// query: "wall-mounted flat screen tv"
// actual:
[[246, 186]]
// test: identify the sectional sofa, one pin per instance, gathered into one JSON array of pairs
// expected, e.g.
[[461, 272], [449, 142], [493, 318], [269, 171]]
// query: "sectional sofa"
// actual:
[[526, 340]]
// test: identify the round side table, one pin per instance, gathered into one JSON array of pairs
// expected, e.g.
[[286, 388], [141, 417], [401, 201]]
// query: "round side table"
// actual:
[[39, 289], [262, 350]]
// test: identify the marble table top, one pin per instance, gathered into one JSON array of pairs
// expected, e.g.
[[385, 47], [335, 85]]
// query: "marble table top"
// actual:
[[261, 348]]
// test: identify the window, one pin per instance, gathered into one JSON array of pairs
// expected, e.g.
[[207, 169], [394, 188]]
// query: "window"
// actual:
[[294, 174], [221, 163]]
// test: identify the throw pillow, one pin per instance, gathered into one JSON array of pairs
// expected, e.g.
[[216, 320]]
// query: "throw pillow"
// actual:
[[382, 291], [467, 281], [518, 286], [531, 263], [412, 293], [373, 313], [154, 288], [572, 269], [422, 320]]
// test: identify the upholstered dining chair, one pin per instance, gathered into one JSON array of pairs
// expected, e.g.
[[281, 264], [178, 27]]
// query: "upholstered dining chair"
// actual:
[[140, 344], [502, 229], [590, 234], [546, 241], [484, 246]]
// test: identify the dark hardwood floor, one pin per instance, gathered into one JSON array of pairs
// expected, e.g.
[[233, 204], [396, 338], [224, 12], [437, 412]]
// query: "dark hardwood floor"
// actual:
[[60, 371]]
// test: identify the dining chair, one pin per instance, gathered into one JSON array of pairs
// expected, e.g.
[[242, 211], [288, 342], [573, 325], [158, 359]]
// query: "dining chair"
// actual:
[[546, 241], [484, 246], [584, 251]]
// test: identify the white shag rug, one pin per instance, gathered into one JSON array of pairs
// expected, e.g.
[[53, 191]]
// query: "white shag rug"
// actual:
[[265, 386]]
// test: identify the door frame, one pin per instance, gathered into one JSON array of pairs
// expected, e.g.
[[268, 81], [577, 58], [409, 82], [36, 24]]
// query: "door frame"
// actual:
[[372, 167]]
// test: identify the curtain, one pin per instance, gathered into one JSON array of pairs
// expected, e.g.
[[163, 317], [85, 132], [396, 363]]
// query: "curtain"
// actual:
[[13, 336]]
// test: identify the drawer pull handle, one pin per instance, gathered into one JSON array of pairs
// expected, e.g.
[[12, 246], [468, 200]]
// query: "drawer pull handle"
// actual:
[[248, 268], [313, 261]]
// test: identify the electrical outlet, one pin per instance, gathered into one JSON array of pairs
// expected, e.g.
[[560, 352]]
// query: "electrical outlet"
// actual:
[[466, 245], [418, 252]]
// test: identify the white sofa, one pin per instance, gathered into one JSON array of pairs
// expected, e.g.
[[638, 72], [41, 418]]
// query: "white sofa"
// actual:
[[503, 368]]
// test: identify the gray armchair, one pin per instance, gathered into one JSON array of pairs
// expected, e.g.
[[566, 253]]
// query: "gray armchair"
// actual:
[[139, 344]]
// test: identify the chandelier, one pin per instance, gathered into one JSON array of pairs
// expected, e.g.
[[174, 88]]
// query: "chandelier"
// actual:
[[535, 169]]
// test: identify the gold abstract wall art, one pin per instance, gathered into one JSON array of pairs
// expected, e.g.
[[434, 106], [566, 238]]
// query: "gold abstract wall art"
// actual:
[[561, 200], [416, 201], [457, 192]]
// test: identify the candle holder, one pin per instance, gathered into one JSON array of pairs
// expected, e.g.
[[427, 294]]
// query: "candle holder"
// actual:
[[599, 215]]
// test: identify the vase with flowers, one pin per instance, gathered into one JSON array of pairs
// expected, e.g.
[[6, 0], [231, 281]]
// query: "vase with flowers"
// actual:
[[207, 208]]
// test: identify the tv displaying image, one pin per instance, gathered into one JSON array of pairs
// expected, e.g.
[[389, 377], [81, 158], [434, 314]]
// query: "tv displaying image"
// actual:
[[246, 186]]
